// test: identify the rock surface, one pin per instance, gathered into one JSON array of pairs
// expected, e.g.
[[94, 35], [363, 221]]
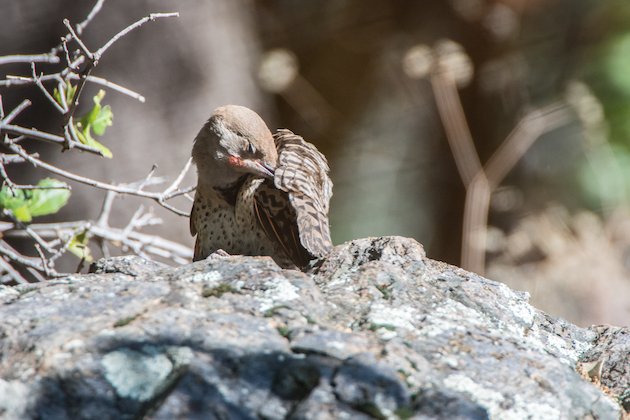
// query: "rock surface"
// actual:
[[376, 331]]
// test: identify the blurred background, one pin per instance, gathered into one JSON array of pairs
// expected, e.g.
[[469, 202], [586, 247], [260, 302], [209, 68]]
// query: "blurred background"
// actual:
[[402, 97]]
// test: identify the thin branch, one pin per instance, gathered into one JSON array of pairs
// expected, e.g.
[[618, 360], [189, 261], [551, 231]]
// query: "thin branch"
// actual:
[[7, 251], [527, 131], [152, 17], [45, 91], [184, 192], [16, 111], [106, 209], [35, 58], [19, 225], [457, 131], [22, 80], [7, 159], [111, 85], [179, 178], [474, 229], [158, 197], [97, 8], [47, 270], [154, 245], [83, 47], [66, 52], [61, 88], [13, 273], [44, 136], [10, 184], [96, 56]]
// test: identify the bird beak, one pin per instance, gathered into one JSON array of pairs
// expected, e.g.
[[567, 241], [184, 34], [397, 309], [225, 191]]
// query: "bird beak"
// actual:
[[254, 166], [264, 169], [258, 167]]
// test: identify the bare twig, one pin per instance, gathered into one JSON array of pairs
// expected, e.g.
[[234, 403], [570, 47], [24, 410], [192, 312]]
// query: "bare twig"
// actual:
[[44, 260], [480, 181], [156, 196], [524, 134], [173, 187], [111, 85], [152, 17], [93, 58], [74, 35], [457, 132], [106, 208], [54, 240], [35, 58], [45, 91], [22, 80], [44, 136], [13, 273], [6, 159], [151, 244], [7, 251], [97, 8], [5, 177], [16, 111]]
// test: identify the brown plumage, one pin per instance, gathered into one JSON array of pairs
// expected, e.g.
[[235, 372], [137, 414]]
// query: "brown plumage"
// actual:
[[259, 194]]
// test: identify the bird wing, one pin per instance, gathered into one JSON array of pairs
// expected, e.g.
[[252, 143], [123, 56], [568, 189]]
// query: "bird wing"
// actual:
[[293, 210], [193, 228]]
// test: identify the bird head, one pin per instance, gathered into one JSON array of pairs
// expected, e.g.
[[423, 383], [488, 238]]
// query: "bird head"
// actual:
[[233, 142]]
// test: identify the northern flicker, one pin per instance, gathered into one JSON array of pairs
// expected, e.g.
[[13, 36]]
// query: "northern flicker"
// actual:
[[259, 194]]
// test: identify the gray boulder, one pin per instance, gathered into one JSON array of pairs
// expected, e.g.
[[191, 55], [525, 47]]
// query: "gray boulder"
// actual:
[[377, 330]]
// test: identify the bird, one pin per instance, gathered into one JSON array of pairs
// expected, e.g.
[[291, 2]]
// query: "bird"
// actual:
[[259, 194]]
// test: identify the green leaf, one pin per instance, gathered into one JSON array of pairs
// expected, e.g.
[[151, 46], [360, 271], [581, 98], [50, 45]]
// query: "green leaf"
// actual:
[[68, 92], [22, 214], [49, 200], [79, 246], [15, 202], [57, 96], [98, 119], [26, 204], [103, 120]]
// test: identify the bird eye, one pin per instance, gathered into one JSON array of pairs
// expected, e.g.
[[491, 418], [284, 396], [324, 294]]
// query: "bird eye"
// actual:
[[251, 149]]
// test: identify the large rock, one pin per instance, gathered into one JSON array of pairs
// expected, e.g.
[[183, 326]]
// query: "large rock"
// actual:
[[376, 331]]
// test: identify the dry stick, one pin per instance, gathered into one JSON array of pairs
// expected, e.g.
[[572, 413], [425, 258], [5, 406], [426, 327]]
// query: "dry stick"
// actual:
[[457, 131], [97, 8], [35, 58], [45, 91], [7, 159], [93, 58], [152, 244], [81, 26], [47, 270], [529, 129], [44, 136], [468, 165], [481, 181], [12, 272], [158, 197], [10, 253], [175, 185], [16, 111], [114, 86], [475, 224], [106, 209], [22, 80], [10, 184]]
